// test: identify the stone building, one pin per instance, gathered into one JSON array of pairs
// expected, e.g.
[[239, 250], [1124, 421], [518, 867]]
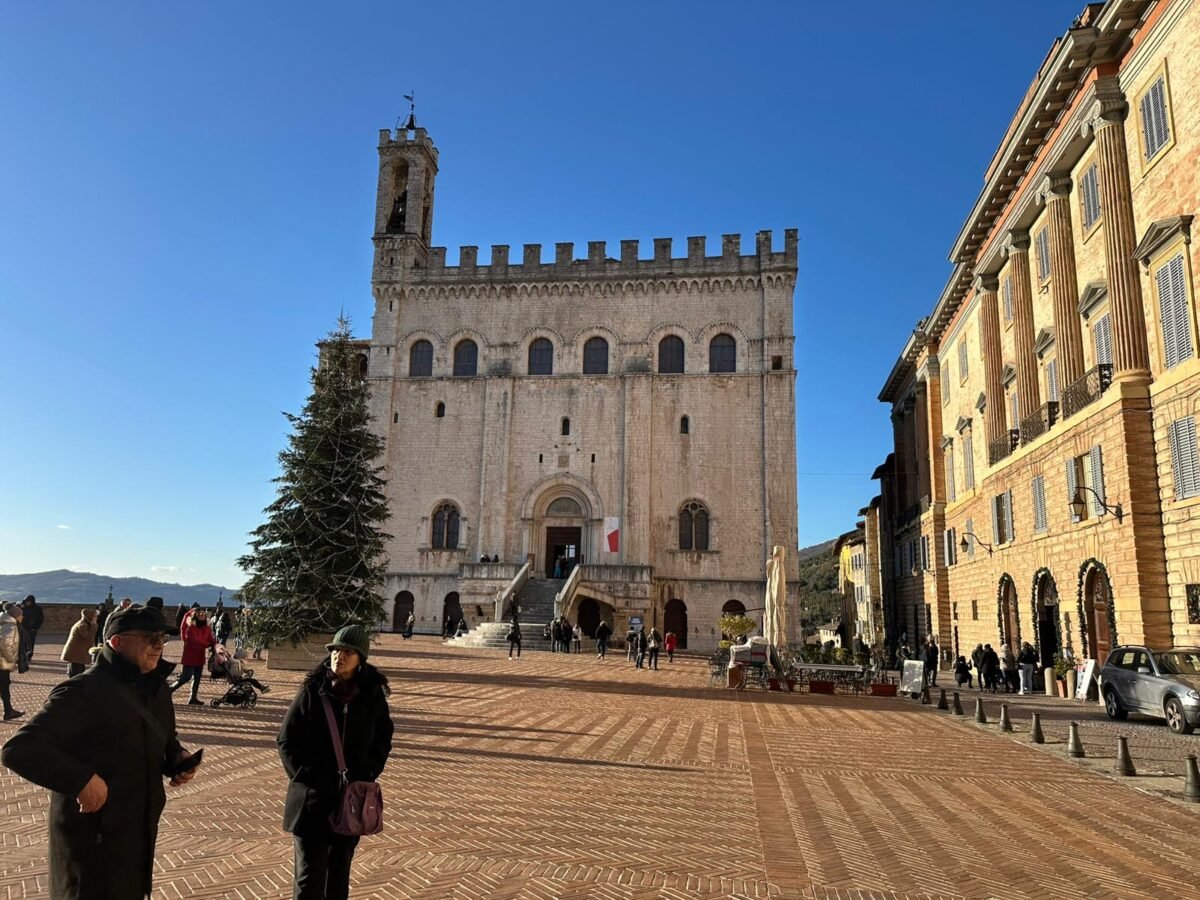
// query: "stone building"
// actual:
[[1045, 484], [616, 432]]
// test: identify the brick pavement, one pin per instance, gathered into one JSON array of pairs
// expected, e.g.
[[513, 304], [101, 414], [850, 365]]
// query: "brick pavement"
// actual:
[[565, 777]]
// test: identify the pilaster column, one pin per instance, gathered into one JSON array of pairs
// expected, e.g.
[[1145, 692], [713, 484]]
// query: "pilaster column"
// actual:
[[993, 361], [921, 440], [900, 475], [1131, 355], [1055, 193], [1016, 248]]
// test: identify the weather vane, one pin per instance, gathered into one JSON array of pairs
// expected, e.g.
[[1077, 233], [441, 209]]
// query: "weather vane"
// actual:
[[411, 124]]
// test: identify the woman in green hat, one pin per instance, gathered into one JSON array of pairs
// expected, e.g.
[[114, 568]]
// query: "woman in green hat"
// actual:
[[357, 693]]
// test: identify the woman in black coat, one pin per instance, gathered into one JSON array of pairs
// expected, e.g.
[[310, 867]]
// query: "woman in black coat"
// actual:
[[358, 693]]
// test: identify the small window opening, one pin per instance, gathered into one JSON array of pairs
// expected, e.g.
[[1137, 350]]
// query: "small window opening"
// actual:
[[685, 426], [776, 363], [441, 410], [539, 457], [593, 457], [395, 418], [566, 425], [389, 306]]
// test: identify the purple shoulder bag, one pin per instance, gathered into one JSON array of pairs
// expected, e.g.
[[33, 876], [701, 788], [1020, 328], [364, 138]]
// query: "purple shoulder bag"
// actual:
[[360, 809]]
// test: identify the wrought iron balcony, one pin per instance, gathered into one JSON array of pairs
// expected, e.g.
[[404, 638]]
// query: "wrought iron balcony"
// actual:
[[1086, 390], [1033, 427], [1003, 446]]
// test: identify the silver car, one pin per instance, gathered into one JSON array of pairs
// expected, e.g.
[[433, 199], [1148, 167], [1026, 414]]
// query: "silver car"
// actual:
[[1160, 683]]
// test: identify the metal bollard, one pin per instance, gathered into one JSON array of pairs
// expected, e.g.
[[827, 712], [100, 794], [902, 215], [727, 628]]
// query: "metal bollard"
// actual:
[[942, 704], [1035, 730], [1005, 723], [1074, 745], [1191, 781], [1123, 765], [980, 716], [958, 710]]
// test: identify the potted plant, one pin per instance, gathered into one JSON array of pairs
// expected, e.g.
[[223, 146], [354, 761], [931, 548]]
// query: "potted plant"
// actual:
[[1064, 674]]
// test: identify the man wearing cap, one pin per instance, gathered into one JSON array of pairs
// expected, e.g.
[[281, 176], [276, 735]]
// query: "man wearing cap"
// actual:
[[102, 744]]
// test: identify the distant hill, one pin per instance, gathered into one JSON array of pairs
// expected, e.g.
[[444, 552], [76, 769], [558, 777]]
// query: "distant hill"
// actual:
[[815, 550], [817, 585], [65, 586]]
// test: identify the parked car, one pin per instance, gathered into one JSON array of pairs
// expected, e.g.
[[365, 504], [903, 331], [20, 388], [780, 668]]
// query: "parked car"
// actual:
[[1160, 683]]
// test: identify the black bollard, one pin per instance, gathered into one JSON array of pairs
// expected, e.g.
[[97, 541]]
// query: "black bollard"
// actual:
[[1074, 745], [1005, 724], [942, 704], [1123, 765], [1035, 730], [958, 710], [1191, 781], [980, 716]]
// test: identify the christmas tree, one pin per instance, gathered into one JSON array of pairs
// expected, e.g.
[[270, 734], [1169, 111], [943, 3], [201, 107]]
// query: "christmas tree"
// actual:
[[316, 564]]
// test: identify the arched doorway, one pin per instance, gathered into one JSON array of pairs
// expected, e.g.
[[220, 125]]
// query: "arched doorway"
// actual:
[[564, 537], [1046, 602], [451, 612], [1097, 612], [588, 616], [1008, 613], [675, 619], [402, 610]]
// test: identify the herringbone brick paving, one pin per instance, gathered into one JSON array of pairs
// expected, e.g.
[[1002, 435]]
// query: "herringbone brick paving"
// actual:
[[566, 777]]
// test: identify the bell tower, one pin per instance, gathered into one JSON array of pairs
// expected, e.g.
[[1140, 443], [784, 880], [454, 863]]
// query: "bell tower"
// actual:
[[403, 201]]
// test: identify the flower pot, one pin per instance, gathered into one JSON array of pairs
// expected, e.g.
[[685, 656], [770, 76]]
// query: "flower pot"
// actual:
[[302, 656], [1062, 687], [883, 690], [821, 687]]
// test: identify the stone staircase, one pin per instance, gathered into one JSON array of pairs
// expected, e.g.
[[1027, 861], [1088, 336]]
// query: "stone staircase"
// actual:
[[537, 608]]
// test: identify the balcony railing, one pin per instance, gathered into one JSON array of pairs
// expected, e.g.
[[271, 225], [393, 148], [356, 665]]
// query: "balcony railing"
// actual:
[[1003, 446], [1033, 427], [1086, 390]]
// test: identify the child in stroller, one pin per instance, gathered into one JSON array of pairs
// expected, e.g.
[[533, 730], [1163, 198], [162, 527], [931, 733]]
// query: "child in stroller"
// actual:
[[242, 683]]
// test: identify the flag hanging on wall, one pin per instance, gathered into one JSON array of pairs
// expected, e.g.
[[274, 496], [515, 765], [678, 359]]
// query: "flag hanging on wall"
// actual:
[[612, 534]]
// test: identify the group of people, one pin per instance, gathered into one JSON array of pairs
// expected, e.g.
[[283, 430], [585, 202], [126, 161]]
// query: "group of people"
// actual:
[[1012, 673], [562, 635], [929, 655]]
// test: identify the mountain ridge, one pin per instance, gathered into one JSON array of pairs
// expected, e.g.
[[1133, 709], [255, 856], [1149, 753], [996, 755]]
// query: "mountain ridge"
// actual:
[[67, 586]]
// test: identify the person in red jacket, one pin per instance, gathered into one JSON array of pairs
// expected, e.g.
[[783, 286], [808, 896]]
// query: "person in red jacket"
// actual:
[[197, 638], [669, 645]]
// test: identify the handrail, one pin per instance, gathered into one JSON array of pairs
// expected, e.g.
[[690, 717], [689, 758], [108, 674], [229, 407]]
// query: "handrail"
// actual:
[[507, 593], [563, 597]]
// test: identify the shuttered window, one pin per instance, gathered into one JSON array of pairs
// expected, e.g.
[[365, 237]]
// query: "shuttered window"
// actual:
[[962, 360], [1052, 380], [1089, 188], [1073, 472], [1096, 473], [968, 463], [970, 535], [1039, 504], [1173, 312], [1002, 519], [1014, 408], [949, 548], [1043, 254], [1155, 129], [1184, 460], [1007, 292], [925, 552], [951, 490], [670, 355], [1102, 335], [1008, 512]]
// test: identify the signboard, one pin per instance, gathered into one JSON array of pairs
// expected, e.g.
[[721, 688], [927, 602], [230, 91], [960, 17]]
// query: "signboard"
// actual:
[[912, 679], [635, 622], [1083, 677]]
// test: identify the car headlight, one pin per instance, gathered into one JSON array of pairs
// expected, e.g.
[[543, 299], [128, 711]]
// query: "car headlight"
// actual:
[[1193, 695]]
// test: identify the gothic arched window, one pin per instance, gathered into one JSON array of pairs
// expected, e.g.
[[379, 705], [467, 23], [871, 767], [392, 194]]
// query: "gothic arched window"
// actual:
[[541, 357], [670, 355], [466, 358], [420, 359], [693, 526], [722, 354], [445, 527], [595, 356]]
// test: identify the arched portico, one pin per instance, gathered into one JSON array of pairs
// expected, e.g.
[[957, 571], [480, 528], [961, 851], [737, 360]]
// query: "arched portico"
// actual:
[[562, 517]]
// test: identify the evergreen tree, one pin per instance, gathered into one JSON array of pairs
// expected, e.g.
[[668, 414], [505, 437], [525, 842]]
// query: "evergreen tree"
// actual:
[[316, 564]]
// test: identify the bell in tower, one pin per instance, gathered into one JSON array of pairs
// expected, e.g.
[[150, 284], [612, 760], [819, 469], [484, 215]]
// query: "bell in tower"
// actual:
[[408, 164], [395, 223]]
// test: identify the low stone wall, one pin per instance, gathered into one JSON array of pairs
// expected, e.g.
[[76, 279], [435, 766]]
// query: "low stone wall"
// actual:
[[300, 657]]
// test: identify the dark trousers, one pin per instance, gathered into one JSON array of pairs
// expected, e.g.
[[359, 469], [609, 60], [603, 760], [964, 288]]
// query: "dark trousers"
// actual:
[[74, 669], [516, 644], [601, 647], [6, 689], [653, 657], [32, 642], [322, 866], [639, 658], [671, 655], [189, 673]]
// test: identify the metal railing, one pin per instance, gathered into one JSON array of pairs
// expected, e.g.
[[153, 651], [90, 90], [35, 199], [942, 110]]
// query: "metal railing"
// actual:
[[1033, 427], [1087, 389], [510, 591], [1003, 446]]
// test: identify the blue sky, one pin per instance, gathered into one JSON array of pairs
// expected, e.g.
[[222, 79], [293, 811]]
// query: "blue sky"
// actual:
[[188, 191]]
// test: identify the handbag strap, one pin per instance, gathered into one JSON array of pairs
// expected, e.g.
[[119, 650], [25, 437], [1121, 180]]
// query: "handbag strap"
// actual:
[[335, 735]]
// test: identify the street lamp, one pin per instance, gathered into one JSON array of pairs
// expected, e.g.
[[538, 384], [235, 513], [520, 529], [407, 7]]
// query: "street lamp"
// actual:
[[965, 547], [1079, 505]]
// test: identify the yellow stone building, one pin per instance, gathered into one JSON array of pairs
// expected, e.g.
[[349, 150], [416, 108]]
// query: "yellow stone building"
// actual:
[[1045, 483]]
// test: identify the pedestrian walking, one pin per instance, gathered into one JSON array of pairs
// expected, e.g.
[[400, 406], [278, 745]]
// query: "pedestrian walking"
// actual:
[[977, 661], [76, 652], [1026, 661], [603, 632], [566, 632], [669, 644], [653, 642], [102, 744], [34, 617], [514, 638], [931, 662], [10, 658], [17, 613], [990, 670], [179, 614], [640, 643], [962, 672], [408, 626], [555, 635], [577, 638], [103, 611], [630, 644], [197, 638], [343, 699], [1008, 670]]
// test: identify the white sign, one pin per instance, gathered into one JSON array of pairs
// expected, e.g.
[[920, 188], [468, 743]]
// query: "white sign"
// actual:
[[912, 678], [1083, 677], [635, 622]]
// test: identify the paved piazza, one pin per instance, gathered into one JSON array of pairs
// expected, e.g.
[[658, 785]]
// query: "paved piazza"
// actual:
[[567, 777]]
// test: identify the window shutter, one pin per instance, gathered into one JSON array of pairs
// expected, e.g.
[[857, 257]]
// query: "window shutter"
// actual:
[[1148, 122], [951, 492], [971, 540], [995, 504], [1184, 459], [1052, 380], [1154, 118], [968, 463], [962, 359], [946, 546], [1008, 514], [1038, 493], [1091, 196], [1008, 312], [1043, 250], [1072, 486], [1166, 315], [1173, 312], [1103, 336], [1097, 465], [1014, 402]]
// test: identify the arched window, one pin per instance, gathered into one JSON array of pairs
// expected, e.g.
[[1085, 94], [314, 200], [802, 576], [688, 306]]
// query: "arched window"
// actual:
[[541, 357], [670, 355], [420, 360], [595, 356], [440, 410], [466, 358], [693, 526], [722, 354], [733, 608], [685, 425], [445, 527], [566, 425]]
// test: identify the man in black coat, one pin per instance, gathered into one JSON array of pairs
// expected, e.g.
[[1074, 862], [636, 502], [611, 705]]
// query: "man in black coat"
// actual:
[[103, 743], [34, 617]]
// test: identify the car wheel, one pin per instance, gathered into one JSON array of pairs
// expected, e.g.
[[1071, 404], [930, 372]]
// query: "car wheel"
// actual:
[[1176, 720], [1112, 705]]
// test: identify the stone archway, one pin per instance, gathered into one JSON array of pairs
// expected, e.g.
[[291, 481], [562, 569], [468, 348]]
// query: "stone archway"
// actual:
[[1046, 628], [1008, 614], [451, 612], [1097, 614], [675, 619], [589, 614], [562, 515], [403, 607]]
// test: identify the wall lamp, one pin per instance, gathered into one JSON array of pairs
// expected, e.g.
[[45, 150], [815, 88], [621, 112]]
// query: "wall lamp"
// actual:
[[966, 548], [1079, 505]]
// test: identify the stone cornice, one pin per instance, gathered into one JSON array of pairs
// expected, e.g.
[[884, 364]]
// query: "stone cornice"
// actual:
[[584, 286], [963, 423], [1091, 296], [1159, 233], [1044, 341]]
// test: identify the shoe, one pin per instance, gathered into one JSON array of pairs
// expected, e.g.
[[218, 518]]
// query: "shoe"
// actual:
[[13, 714], [266, 689], [195, 702]]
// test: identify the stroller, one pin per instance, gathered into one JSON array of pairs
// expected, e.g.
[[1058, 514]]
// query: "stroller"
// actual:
[[243, 686]]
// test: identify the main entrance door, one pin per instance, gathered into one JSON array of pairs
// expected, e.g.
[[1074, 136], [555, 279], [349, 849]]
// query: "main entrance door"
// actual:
[[675, 619], [562, 548], [1047, 606], [1096, 603]]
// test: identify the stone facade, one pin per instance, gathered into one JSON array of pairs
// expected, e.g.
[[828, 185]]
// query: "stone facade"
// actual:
[[542, 405], [1045, 372]]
